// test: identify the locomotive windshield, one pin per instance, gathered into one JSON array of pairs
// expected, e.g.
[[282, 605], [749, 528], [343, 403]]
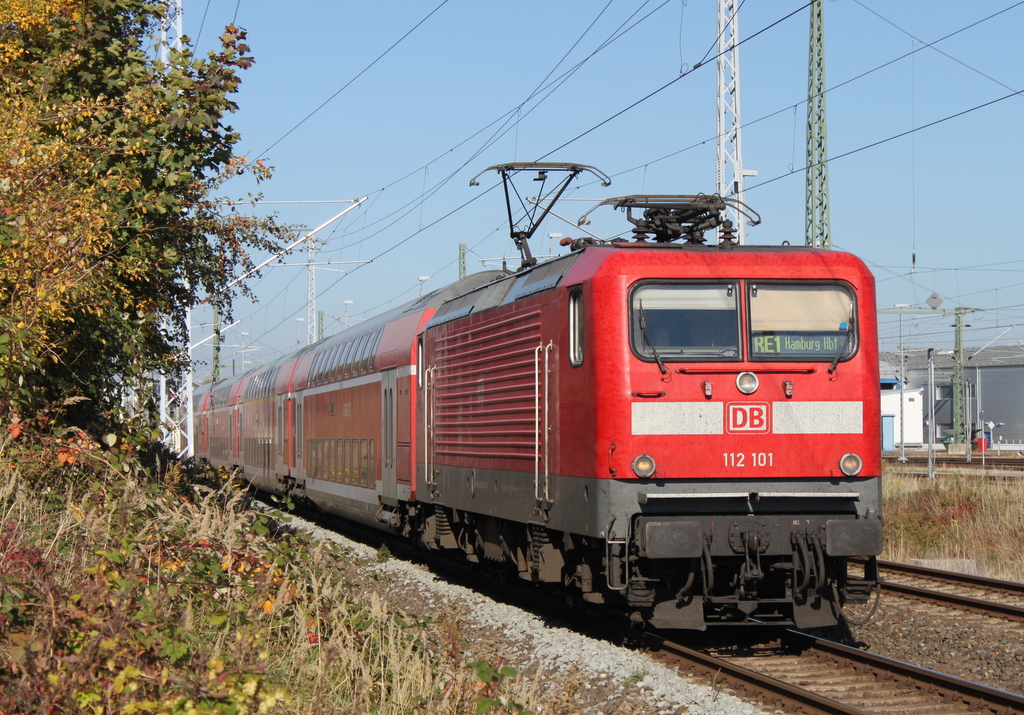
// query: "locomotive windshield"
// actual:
[[800, 322], [686, 321], [679, 322]]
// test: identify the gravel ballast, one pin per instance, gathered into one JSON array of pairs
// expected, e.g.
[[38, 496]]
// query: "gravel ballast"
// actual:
[[583, 675], [574, 673]]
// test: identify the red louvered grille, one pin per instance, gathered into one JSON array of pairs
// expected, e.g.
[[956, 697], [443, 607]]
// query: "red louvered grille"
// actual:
[[485, 381]]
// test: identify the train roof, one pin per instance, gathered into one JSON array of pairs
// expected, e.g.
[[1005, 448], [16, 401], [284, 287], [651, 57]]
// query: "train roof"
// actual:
[[488, 289], [266, 375]]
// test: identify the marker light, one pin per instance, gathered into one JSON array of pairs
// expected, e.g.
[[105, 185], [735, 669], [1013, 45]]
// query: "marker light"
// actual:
[[850, 464], [746, 382], [706, 387], [787, 388], [644, 466]]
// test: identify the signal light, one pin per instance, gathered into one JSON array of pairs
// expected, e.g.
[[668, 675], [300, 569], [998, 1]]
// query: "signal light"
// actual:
[[706, 387], [746, 382], [850, 464], [644, 466]]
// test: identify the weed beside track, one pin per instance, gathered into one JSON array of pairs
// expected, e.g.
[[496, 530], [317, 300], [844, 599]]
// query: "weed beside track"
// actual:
[[135, 595]]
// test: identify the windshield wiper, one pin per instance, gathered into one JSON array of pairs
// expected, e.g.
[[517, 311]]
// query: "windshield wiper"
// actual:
[[643, 331], [842, 348]]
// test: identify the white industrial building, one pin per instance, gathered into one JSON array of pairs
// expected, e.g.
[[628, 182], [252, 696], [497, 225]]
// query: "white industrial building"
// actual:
[[993, 397]]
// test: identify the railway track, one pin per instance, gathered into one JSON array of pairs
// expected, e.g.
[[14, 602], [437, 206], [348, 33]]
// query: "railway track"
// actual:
[[794, 672], [800, 673], [977, 594]]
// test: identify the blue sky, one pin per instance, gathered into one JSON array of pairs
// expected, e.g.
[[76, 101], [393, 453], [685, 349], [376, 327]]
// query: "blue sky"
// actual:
[[404, 102]]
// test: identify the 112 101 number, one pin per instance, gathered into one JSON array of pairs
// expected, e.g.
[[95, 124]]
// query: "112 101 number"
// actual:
[[755, 459]]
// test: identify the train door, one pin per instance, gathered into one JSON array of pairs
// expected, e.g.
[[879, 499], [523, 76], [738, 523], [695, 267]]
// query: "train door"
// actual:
[[297, 435], [282, 468], [204, 441], [389, 440], [289, 433], [238, 434]]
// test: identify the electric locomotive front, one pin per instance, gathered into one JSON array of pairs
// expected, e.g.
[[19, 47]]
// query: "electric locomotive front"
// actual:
[[734, 389]]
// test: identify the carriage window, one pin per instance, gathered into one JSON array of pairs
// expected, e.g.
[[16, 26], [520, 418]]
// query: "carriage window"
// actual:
[[325, 369], [685, 321], [576, 327], [801, 322], [343, 361], [351, 366]]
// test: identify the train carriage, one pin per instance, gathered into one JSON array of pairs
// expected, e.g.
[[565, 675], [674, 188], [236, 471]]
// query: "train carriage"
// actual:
[[690, 432]]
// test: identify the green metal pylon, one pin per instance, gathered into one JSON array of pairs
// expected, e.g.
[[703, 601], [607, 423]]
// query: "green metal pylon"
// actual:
[[817, 218], [961, 427]]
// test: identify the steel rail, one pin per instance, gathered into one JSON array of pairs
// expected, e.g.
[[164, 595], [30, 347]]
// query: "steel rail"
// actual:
[[954, 576], [977, 605], [980, 605], [759, 681], [948, 685]]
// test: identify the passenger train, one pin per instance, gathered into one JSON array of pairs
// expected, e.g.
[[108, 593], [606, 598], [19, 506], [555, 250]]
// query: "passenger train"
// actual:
[[689, 432]]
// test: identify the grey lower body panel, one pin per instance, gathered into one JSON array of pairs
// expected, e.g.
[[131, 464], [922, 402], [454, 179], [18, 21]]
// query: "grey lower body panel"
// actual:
[[599, 507]]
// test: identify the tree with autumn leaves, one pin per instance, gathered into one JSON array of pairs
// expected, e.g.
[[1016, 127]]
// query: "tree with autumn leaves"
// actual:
[[111, 226]]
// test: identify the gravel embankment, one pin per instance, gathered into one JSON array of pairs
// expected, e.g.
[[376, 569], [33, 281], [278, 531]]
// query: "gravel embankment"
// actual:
[[575, 673], [583, 675]]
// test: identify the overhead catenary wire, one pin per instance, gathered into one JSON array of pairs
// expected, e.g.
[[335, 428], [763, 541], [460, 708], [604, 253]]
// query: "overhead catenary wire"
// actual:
[[425, 196], [357, 76], [619, 113], [411, 205]]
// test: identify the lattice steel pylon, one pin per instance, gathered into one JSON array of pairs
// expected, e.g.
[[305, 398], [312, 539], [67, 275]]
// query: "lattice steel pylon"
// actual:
[[817, 219], [729, 171], [961, 424]]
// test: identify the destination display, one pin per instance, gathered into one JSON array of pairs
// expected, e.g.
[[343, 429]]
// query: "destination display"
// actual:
[[797, 344]]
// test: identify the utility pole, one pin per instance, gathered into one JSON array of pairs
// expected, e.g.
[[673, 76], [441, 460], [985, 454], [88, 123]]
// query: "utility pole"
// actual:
[[310, 291], [931, 415], [730, 144], [216, 344], [903, 381], [961, 426], [817, 218]]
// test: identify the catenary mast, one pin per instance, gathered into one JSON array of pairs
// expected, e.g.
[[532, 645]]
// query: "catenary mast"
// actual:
[[729, 171], [817, 219]]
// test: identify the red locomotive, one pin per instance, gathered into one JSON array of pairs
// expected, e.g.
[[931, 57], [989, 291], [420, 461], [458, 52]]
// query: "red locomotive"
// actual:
[[689, 431]]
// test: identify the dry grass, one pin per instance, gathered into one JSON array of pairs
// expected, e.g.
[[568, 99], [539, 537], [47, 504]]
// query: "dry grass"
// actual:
[[955, 517], [120, 595]]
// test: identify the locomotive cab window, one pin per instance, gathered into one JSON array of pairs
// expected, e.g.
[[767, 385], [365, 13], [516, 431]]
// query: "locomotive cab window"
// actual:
[[685, 321], [801, 322]]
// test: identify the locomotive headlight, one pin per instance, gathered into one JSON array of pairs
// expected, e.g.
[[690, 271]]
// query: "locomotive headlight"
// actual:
[[746, 382], [644, 466], [850, 464]]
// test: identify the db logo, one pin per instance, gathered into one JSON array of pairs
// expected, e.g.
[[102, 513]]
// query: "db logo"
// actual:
[[747, 417]]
